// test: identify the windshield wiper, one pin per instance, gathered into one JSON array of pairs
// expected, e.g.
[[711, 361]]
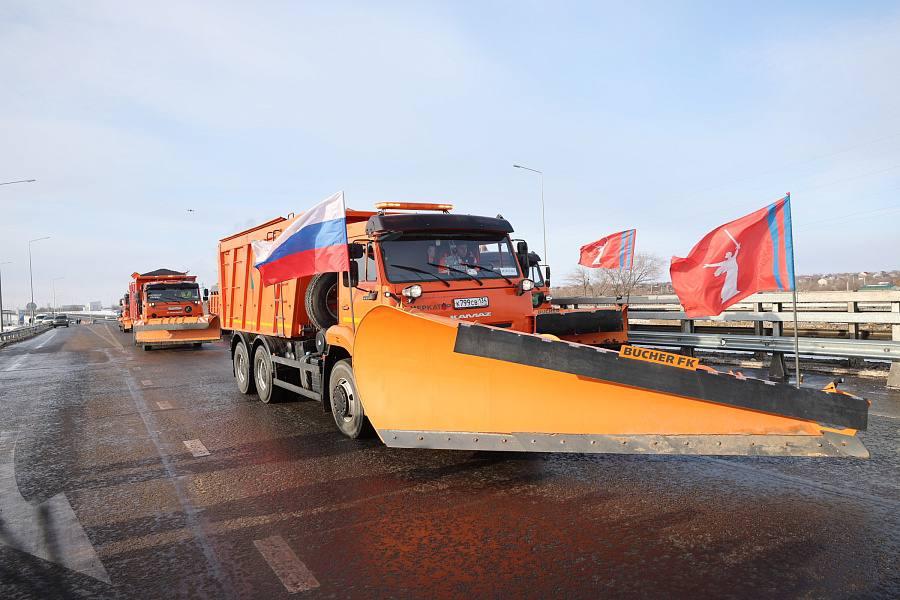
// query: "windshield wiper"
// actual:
[[466, 273], [489, 270], [422, 271]]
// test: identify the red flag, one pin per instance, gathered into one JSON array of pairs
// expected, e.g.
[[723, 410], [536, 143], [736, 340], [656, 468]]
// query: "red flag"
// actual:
[[614, 251], [752, 254]]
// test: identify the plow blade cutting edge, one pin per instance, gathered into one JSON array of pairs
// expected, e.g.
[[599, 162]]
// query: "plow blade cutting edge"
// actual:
[[175, 331], [433, 382]]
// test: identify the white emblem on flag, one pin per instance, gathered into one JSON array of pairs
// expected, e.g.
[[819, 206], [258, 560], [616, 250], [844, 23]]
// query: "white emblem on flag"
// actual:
[[729, 266]]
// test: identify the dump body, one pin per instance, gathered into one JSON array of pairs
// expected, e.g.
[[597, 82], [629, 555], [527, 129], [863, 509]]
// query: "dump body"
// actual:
[[166, 310]]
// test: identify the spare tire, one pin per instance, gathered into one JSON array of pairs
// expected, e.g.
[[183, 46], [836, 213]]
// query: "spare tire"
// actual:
[[322, 300]]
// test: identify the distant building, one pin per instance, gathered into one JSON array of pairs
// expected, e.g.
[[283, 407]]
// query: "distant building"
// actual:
[[95, 305]]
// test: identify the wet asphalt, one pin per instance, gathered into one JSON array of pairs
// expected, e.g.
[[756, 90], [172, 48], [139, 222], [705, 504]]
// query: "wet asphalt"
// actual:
[[81, 417]]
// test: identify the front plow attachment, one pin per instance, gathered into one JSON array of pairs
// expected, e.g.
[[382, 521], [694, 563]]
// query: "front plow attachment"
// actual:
[[177, 331], [432, 382]]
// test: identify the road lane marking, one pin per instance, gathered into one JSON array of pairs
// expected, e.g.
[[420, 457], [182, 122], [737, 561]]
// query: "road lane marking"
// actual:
[[194, 518], [16, 364], [293, 573], [146, 382], [50, 530], [196, 447], [49, 337], [164, 405]]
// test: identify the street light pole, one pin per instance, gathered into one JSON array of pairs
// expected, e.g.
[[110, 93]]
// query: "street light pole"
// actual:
[[6, 262], [31, 275], [19, 181], [543, 213], [53, 285]]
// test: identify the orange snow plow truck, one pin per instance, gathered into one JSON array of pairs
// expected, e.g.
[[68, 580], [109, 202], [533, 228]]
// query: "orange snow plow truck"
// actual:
[[166, 311], [429, 339]]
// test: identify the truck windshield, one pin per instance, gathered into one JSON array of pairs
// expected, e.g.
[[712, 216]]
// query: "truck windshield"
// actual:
[[451, 257], [173, 293]]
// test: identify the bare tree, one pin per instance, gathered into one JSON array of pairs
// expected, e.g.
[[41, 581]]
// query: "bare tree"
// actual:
[[621, 282], [582, 279]]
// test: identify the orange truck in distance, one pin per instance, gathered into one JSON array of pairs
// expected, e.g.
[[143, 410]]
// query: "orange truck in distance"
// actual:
[[166, 310], [429, 338], [125, 322]]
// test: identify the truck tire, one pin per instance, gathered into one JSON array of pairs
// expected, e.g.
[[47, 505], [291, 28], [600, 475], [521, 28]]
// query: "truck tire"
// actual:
[[243, 373], [346, 405], [264, 376], [322, 300]]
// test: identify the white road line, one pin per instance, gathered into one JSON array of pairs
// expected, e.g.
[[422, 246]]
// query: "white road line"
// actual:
[[196, 447], [48, 338], [135, 368], [294, 575], [27, 527], [164, 405], [16, 364], [195, 521], [146, 382]]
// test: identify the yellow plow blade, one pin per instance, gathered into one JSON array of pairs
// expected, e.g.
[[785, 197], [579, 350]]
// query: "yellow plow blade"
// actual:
[[177, 331], [433, 382]]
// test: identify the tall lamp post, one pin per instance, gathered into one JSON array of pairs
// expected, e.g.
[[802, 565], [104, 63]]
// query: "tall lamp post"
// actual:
[[543, 214], [53, 286], [30, 274], [6, 262]]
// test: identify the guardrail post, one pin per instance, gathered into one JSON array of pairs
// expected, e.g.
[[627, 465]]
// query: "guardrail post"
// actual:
[[853, 332], [759, 328], [777, 367], [893, 380], [687, 326]]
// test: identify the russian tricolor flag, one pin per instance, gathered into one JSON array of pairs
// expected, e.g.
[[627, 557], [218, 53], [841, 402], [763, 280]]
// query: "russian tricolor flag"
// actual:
[[315, 243]]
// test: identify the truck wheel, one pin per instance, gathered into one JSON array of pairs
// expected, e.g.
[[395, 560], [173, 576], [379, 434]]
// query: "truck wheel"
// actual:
[[346, 406], [264, 376], [322, 300], [243, 374]]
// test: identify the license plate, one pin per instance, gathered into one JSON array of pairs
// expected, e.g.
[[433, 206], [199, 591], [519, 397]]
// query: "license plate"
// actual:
[[460, 303]]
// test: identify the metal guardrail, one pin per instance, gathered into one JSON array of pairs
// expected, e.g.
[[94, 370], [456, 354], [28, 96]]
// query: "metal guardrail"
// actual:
[[850, 309], [866, 349], [21, 333]]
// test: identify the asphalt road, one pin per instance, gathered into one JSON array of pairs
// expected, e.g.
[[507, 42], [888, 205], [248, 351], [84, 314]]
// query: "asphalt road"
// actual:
[[100, 497]]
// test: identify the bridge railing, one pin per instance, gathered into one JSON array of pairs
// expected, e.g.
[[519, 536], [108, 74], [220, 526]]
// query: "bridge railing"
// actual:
[[21, 333], [854, 325]]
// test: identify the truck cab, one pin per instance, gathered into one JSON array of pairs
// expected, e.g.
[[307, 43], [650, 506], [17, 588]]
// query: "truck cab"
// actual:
[[171, 299], [458, 266]]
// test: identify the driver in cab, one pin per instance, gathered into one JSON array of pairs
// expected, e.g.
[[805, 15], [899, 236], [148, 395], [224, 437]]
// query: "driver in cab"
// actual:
[[458, 258]]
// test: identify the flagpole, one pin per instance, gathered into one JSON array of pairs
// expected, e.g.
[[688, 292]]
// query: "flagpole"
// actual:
[[794, 288], [351, 288]]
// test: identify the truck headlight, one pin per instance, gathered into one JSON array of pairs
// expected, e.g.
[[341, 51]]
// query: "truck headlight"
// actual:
[[412, 291]]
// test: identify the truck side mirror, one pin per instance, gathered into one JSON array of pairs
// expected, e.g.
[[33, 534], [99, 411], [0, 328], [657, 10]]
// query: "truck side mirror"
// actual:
[[356, 250], [522, 256], [547, 276], [350, 277], [205, 293]]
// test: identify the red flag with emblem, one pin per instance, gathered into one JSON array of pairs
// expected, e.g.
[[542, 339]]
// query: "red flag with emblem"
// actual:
[[752, 254], [615, 251]]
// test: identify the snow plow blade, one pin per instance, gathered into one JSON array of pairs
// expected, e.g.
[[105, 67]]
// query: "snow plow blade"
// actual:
[[177, 331], [433, 382]]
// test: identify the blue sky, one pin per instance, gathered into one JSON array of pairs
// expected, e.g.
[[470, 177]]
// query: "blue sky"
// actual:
[[668, 117]]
